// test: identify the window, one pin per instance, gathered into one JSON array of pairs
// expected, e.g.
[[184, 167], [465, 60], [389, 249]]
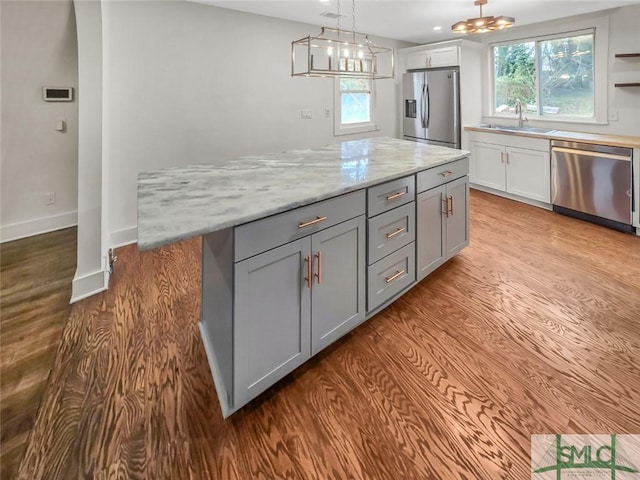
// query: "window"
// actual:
[[552, 77], [354, 106]]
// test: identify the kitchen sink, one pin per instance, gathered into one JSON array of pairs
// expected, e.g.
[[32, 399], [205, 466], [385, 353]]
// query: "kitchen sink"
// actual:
[[514, 128]]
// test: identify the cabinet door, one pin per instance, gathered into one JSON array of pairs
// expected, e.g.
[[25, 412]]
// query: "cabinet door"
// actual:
[[272, 318], [457, 219], [487, 165], [415, 60], [430, 249], [443, 57], [529, 173], [338, 293]]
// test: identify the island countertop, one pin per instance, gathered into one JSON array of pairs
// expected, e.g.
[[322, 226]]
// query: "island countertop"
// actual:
[[182, 202]]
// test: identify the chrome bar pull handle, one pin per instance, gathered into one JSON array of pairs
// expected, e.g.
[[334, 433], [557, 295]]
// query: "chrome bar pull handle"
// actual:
[[397, 232], [446, 174], [450, 205], [312, 222], [398, 274], [396, 195], [445, 206]]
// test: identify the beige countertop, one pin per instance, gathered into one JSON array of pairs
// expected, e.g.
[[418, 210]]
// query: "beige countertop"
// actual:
[[604, 139]]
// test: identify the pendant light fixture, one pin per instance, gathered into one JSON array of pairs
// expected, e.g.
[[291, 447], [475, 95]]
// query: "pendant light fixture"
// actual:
[[341, 53], [483, 24]]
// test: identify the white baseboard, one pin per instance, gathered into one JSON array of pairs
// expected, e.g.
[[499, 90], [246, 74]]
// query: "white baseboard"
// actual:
[[15, 231], [517, 198], [89, 284], [123, 237]]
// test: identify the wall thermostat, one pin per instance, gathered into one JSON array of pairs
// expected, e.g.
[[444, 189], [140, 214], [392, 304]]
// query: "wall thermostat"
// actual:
[[57, 94]]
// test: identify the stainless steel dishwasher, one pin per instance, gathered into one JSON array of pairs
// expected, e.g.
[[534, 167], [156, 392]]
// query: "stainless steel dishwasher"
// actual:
[[592, 182]]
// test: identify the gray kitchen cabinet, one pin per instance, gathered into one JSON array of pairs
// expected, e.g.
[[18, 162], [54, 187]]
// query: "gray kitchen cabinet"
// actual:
[[442, 224], [272, 317], [390, 276], [338, 287], [294, 300], [456, 217], [430, 252], [278, 289]]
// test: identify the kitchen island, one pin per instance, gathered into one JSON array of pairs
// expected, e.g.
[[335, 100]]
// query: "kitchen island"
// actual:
[[300, 247]]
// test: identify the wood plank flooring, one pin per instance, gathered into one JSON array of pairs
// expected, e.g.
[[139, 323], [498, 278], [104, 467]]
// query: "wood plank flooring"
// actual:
[[535, 328], [35, 287]]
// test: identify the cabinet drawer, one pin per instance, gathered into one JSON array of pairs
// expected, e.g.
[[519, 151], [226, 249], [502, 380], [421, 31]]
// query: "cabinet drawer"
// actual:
[[390, 276], [437, 176], [390, 231], [262, 235], [390, 195]]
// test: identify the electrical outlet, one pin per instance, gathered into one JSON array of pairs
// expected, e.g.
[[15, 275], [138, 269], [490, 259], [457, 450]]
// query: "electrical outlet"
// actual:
[[327, 112], [50, 198], [306, 114], [613, 115]]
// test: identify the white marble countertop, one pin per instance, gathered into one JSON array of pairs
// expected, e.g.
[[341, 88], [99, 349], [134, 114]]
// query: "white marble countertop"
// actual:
[[182, 202]]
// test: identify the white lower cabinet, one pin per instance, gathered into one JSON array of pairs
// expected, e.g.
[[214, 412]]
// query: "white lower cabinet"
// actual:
[[487, 165], [524, 172]]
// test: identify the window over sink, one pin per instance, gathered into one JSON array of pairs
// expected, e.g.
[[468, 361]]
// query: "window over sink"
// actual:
[[552, 76], [354, 105]]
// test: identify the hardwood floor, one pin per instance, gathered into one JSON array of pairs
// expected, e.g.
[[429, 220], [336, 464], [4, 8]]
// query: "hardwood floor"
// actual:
[[35, 288], [535, 328]]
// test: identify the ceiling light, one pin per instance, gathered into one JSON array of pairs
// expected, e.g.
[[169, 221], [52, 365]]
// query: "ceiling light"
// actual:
[[315, 56], [438, 28], [482, 24]]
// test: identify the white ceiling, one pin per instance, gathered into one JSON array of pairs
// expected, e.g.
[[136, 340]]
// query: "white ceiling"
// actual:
[[411, 20]]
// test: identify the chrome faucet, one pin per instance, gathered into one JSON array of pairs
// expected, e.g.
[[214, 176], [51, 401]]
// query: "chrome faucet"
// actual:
[[521, 119]]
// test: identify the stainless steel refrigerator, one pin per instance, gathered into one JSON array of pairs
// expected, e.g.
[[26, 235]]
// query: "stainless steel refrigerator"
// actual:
[[432, 106]]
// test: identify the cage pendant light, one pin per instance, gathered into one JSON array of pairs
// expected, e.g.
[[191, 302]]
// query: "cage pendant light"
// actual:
[[483, 24], [341, 53]]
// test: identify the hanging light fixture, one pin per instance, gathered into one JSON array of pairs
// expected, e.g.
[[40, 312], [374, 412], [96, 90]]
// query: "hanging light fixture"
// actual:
[[341, 53], [483, 24]]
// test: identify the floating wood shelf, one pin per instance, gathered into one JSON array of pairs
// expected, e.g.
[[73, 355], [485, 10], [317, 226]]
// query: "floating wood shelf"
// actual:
[[627, 55]]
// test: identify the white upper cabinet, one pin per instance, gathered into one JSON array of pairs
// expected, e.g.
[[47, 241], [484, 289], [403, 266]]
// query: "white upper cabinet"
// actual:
[[432, 57]]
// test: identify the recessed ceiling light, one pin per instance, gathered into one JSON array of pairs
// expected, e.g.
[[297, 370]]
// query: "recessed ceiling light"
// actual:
[[331, 15], [438, 28]]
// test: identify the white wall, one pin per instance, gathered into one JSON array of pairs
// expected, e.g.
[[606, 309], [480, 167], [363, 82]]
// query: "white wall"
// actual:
[[90, 276], [191, 83], [39, 49], [623, 37]]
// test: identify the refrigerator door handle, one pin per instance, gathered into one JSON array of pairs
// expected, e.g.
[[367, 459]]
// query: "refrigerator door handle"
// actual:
[[422, 107], [456, 107], [428, 107]]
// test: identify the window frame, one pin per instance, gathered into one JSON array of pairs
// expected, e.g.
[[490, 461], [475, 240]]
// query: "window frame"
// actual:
[[600, 75], [351, 128]]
